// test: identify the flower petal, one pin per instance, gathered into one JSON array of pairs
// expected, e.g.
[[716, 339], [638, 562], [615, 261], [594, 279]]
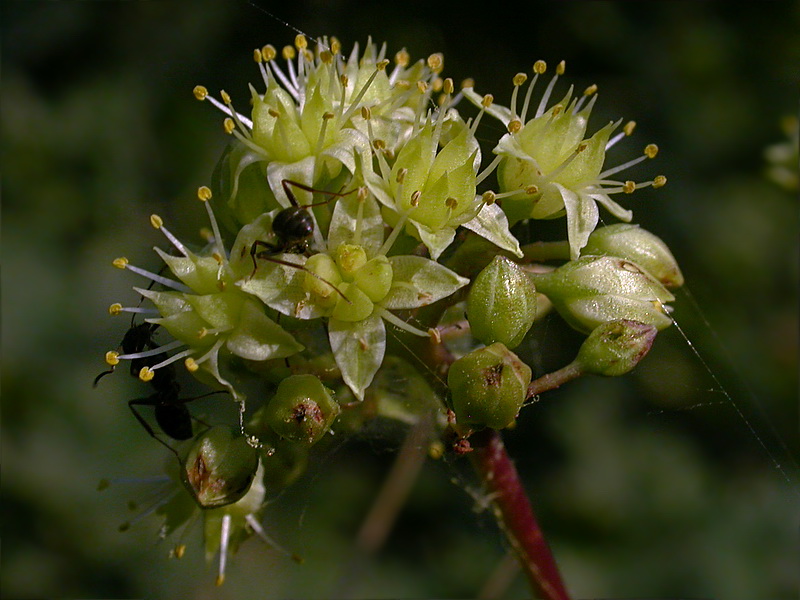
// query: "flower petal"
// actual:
[[358, 347], [419, 281]]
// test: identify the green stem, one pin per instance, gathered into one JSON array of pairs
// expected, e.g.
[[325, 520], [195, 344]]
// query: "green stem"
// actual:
[[551, 381], [515, 516]]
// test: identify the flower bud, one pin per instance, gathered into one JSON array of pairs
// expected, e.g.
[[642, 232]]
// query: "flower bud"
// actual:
[[488, 387], [616, 347], [593, 290], [501, 305], [302, 409], [219, 467], [631, 242]]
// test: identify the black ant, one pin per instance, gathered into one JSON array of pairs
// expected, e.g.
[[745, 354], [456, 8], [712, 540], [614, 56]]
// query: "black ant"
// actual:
[[293, 227], [171, 413]]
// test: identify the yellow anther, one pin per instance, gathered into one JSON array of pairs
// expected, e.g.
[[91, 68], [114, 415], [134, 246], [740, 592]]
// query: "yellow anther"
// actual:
[[592, 89], [362, 193], [436, 62], [300, 42], [651, 150], [257, 56], [401, 175], [629, 127], [225, 97], [179, 551], [366, 113], [308, 55], [451, 203], [422, 87], [469, 82], [519, 79], [288, 53], [514, 126], [487, 100], [146, 374], [381, 66], [112, 358], [326, 57], [120, 262], [561, 67], [327, 116], [489, 197], [435, 336], [204, 193], [219, 580], [336, 45], [268, 52], [229, 125], [539, 67], [448, 86], [531, 190], [581, 147], [659, 181], [156, 221], [201, 333], [343, 79], [557, 109], [200, 92], [207, 234], [437, 84], [379, 144], [115, 309], [273, 113], [191, 365], [628, 187], [415, 198], [217, 257], [402, 58]]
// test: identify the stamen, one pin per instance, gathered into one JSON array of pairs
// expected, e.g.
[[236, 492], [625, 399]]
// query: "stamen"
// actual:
[[204, 195], [627, 130], [259, 531], [147, 373], [539, 67], [201, 93], [387, 245], [381, 66], [518, 80], [224, 534], [488, 170], [546, 96], [152, 352], [399, 323], [650, 151], [122, 263], [117, 308], [158, 223]]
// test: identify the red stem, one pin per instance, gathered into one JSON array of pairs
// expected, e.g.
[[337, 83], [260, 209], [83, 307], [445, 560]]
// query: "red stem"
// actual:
[[515, 515]]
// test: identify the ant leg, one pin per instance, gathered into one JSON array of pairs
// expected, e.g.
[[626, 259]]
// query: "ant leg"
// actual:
[[149, 402], [286, 263], [285, 183], [255, 253]]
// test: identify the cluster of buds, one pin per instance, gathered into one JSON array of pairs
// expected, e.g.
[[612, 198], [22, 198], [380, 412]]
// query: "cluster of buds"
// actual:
[[341, 194]]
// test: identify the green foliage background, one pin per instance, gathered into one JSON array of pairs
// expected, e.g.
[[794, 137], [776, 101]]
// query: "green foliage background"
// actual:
[[652, 485]]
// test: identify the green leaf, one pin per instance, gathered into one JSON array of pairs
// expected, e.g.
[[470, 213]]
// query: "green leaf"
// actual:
[[359, 348], [419, 281]]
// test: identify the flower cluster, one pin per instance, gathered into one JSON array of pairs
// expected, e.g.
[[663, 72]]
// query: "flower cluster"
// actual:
[[353, 202]]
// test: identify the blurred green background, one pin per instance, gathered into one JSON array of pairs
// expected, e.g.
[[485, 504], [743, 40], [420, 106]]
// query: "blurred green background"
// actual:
[[659, 484]]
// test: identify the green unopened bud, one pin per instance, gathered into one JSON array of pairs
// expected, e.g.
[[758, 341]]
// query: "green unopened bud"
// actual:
[[501, 305], [219, 467], [630, 241], [616, 347], [359, 307], [375, 278], [350, 258], [302, 409], [593, 290], [488, 387]]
